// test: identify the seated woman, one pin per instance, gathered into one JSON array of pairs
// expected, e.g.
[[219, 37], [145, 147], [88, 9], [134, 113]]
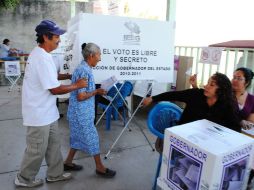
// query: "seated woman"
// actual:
[[5, 51], [83, 134], [216, 102], [241, 81]]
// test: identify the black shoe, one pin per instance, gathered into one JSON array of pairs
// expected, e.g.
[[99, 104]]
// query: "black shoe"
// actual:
[[107, 174], [72, 167]]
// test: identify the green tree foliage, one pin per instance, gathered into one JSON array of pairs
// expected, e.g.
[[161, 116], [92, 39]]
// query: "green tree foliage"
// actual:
[[8, 4]]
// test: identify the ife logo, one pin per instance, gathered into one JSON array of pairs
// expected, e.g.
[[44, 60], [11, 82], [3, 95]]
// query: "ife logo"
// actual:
[[134, 37]]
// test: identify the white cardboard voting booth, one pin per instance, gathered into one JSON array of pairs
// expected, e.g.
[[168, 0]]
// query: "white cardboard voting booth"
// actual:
[[131, 48], [205, 155]]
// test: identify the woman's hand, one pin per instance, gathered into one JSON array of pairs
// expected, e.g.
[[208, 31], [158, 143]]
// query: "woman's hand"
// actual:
[[247, 125], [193, 81], [101, 91], [147, 101], [81, 83]]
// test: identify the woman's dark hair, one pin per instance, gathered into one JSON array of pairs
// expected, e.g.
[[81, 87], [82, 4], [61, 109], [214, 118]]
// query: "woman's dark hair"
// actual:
[[83, 46], [40, 39], [226, 99], [248, 75], [6, 41], [224, 91]]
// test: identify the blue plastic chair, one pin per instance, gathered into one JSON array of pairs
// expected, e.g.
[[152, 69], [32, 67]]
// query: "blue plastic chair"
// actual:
[[118, 103], [163, 115]]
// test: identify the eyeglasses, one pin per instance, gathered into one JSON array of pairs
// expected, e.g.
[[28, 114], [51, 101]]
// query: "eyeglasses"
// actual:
[[238, 78]]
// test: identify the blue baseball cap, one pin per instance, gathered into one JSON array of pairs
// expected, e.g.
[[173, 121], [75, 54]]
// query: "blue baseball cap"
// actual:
[[48, 26]]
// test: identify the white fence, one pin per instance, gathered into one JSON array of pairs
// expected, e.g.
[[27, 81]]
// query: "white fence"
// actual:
[[231, 59]]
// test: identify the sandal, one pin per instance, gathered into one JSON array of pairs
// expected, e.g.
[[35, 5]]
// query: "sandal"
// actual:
[[72, 167], [107, 174]]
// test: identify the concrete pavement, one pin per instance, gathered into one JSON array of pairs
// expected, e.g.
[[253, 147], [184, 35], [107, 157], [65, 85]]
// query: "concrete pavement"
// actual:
[[132, 157]]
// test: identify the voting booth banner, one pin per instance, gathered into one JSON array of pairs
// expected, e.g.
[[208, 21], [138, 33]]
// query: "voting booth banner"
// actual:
[[205, 155], [131, 48]]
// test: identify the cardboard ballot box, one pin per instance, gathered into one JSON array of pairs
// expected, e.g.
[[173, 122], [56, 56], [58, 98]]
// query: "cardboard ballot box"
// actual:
[[203, 155]]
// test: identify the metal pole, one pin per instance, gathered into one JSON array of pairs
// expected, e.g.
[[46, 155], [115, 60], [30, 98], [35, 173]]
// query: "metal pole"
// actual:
[[126, 125], [171, 10], [73, 8]]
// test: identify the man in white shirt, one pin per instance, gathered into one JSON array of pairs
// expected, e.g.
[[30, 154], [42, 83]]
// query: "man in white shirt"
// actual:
[[39, 110]]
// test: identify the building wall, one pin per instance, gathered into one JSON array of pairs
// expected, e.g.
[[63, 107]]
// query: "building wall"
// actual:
[[18, 25]]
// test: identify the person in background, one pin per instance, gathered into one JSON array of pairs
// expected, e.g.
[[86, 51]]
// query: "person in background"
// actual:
[[6, 51], [206, 103], [39, 110], [241, 81], [83, 134]]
